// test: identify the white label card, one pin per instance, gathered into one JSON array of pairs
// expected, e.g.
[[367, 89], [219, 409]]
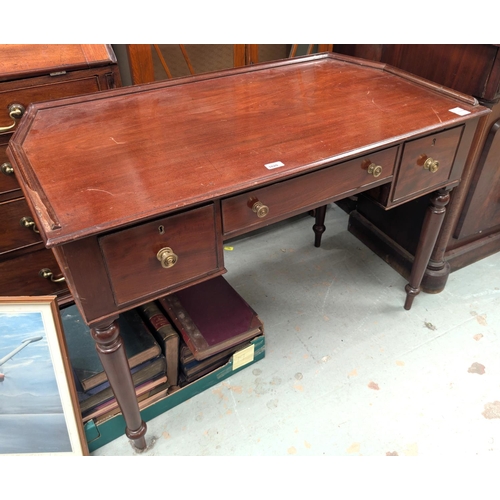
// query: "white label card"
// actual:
[[460, 111], [275, 164]]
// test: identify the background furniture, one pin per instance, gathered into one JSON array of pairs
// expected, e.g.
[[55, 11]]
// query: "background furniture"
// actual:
[[149, 211], [471, 228], [145, 60], [33, 73]]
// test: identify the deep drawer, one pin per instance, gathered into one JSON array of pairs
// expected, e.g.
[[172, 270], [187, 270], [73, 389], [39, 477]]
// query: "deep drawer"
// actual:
[[132, 255], [9, 187], [13, 235], [25, 92], [20, 276], [296, 195], [426, 163]]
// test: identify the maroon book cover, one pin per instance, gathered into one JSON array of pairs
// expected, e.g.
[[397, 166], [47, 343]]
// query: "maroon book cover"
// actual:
[[211, 317]]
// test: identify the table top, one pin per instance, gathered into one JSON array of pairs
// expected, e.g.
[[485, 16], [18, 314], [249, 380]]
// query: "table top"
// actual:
[[94, 163]]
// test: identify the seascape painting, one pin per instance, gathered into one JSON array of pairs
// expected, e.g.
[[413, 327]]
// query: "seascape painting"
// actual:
[[33, 412]]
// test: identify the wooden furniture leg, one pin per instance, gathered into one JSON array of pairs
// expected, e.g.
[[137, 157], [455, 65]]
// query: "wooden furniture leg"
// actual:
[[111, 351], [319, 226], [430, 230]]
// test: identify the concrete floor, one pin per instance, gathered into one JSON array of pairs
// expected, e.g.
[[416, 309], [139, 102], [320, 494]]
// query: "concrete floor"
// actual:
[[347, 372]]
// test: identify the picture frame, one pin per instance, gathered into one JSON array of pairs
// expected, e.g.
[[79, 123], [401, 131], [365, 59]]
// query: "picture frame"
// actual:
[[39, 410]]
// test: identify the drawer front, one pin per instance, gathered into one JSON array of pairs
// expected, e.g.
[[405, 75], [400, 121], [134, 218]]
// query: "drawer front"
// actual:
[[13, 234], [20, 276], [418, 172], [9, 187], [131, 255], [28, 91], [301, 193]]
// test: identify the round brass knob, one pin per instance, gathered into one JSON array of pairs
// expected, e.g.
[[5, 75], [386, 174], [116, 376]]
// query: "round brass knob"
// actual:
[[48, 275], [6, 168], [431, 165], [28, 222], [374, 170], [260, 209], [16, 112], [167, 257]]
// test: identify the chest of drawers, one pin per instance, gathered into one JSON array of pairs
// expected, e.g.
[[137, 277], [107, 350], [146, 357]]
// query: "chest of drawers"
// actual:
[[30, 74]]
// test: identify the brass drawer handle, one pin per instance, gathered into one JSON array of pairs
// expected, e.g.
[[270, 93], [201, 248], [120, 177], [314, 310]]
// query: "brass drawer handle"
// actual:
[[431, 165], [28, 222], [374, 170], [16, 112], [7, 169], [48, 275], [259, 208], [167, 257]]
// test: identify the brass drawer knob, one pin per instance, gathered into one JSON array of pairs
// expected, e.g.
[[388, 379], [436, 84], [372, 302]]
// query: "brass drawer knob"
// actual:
[[48, 275], [167, 257], [28, 222], [260, 209], [374, 170], [16, 112], [7, 169], [431, 165]]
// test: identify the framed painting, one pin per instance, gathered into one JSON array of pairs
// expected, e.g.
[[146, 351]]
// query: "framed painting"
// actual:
[[39, 412]]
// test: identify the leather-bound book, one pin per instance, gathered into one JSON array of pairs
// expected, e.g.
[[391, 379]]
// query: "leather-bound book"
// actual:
[[166, 336], [153, 374], [193, 369], [211, 317]]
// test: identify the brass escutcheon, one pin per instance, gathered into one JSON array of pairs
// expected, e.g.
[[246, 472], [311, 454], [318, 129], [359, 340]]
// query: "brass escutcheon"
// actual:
[[6, 168], [16, 112], [48, 275], [374, 170], [167, 257], [28, 222], [431, 165], [260, 209]]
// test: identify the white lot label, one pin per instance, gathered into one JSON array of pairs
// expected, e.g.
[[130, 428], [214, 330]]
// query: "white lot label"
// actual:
[[276, 164], [460, 111]]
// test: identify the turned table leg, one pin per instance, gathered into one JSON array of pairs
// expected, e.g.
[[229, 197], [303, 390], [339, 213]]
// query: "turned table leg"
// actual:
[[111, 352], [319, 226], [430, 230]]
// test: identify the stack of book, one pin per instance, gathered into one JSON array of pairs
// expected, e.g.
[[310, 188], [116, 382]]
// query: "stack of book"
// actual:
[[145, 357], [214, 322]]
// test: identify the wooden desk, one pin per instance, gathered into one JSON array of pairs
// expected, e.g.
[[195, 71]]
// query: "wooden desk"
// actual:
[[136, 189]]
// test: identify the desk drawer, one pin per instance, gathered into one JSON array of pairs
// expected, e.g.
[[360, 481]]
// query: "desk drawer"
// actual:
[[12, 234], [419, 173], [296, 195], [132, 261]]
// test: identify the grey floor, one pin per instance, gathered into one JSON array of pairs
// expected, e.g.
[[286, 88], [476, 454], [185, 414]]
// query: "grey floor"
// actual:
[[347, 372]]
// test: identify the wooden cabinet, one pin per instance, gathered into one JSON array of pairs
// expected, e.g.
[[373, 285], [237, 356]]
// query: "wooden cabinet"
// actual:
[[30, 74], [471, 229]]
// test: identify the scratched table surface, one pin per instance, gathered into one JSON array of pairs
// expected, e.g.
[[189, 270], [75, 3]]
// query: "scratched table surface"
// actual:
[[134, 153]]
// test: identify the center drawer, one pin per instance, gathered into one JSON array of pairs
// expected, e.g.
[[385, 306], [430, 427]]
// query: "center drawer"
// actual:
[[135, 257], [260, 207]]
